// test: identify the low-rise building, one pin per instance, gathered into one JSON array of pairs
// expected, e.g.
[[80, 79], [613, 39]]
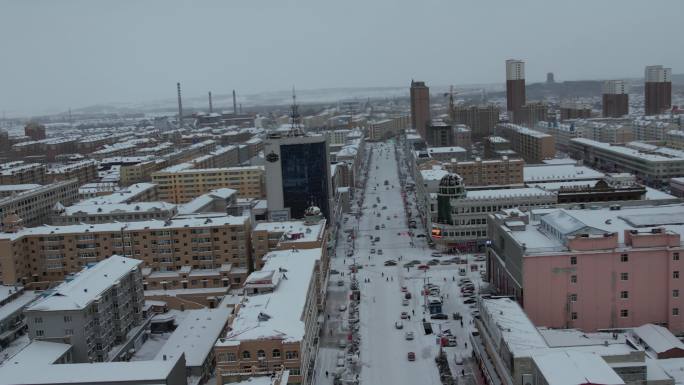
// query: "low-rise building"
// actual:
[[92, 311], [181, 184], [85, 171], [270, 236], [275, 326], [447, 153], [533, 146], [605, 264], [19, 172], [34, 207], [652, 165], [40, 255]]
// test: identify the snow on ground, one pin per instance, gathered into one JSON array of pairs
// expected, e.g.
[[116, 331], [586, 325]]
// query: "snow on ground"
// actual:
[[384, 348]]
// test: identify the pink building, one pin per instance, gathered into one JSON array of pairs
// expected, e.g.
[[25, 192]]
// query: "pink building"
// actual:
[[598, 268]]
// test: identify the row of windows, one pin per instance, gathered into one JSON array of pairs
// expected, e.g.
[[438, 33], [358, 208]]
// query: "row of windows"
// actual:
[[229, 357], [624, 294], [625, 258]]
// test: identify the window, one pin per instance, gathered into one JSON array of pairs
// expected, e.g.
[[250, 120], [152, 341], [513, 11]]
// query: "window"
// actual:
[[67, 318], [624, 276], [261, 354], [624, 258], [675, 256], [276, 353], [573, 279], [675, 311], [40, 333], [229, 356], [573, 297], [624, 294], [675, 293], [291, 354], [573, 260], [246, 355], [69, 332], [573, 315], [624, 313], [294, 371], [675, 274], [38, 320]]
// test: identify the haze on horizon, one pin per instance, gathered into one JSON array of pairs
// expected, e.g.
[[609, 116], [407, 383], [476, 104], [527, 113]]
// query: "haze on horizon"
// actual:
[[76, 53]]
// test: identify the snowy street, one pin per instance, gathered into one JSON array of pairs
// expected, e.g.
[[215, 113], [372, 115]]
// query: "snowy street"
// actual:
[[384, 349]]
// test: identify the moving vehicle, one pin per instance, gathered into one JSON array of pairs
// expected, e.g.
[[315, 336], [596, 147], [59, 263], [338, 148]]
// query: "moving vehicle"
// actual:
[[333, 271], [411, 356], [408, 336], [404, 315], [340, 282], [342, 344], [404, 289], [436, 254], [342, 308], [379, 251], [390, 262], [439, 316], [423, 267], [405, 302], [407, 295], [399, 325]]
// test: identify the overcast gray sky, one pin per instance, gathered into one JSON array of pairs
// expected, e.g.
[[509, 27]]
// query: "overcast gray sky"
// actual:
[[73, 53]]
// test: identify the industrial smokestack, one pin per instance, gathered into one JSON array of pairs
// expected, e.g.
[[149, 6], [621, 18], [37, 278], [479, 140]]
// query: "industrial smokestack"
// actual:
[[234, 103], [180, 106], [211, 107]]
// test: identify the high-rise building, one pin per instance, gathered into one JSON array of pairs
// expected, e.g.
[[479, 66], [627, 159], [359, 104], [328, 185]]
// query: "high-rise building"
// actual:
[[420, 107], [657, 90], [530, 114], [480, 119], [440, 134], [615, 98], [297, 174], [515, 84], [35, 131], [549, 78]]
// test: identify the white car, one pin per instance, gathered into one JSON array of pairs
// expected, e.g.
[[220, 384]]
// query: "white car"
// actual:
[[342, 308], [408, 336], [405, 302]]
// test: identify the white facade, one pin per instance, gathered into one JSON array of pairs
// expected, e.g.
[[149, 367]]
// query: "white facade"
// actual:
[[515, 69], [615, 87], [657, 74]]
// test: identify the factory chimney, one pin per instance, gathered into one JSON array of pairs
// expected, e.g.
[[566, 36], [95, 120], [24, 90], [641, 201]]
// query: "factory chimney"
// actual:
[[180, 106], [234, 104], [211, 107]]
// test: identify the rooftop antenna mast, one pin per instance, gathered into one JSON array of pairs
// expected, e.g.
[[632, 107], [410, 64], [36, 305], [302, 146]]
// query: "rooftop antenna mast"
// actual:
[[211, 106], [451, 102], [295, 128], [234, 104]]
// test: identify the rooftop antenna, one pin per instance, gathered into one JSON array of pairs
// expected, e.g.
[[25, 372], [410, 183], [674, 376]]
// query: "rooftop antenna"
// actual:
[[234, 104], [71, 122], [451, 94], [211, 106], [295, 128], [180, 106]]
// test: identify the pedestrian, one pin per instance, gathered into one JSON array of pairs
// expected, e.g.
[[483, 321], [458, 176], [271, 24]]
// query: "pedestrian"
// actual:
[[326, 373], [447, 295], [453, 278], [466, 345], [462, 372], [387, 279], [383, 273], [413, 311], [392, 279], [461, 323], [409, 317]]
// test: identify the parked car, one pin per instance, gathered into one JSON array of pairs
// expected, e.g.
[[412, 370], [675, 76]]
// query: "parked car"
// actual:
[[404, 315], [411, 356], [372, 251], [377, 227], [342, 308], [405, 302], [342, 344], [379, 251], [436, 254], [404, 289], [399, 325], [340, 282], [382, 226], [408, 336], [390, 262], [420, 236], [407, 295], [333, 272], [433, 262], [469, 301], [439, 316], [445, 262]]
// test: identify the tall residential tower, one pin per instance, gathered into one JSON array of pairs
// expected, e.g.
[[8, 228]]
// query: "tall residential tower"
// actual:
[[420, 107], [657, 90], [615, 98], [515, 84]]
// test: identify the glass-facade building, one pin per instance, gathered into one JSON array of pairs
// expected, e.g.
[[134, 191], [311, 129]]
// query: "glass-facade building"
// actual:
[[305, 177]]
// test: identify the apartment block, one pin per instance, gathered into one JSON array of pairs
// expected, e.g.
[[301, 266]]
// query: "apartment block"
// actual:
[[40, 255], [515, 84], [496, 146], [92, 311], [34, 207], [480, 119], [657, 90], [530, 114], [179, 184], [675, 139], [462, 136], [386, 128], [19, 172], [490, 172], [85, 171], [112, 212], [533, 146], [574, 111], [287, 235], [601, 130], [420, 107], [605, 265], [275, 326], [651, 129]]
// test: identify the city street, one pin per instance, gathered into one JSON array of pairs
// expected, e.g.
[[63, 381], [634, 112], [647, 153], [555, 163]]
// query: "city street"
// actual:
[[384, 349]]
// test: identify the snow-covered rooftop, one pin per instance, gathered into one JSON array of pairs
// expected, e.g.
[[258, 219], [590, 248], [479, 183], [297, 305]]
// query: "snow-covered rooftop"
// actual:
[[113, 208], [87, 285], [284, 306], [569, 367], [640, 151], [521, 337], [294, 231], [559, 172], [657, 338], [508, 193], [196, 334]]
